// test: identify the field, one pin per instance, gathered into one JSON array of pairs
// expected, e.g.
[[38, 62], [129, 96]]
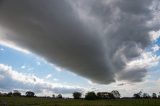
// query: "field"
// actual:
[[24, 101]]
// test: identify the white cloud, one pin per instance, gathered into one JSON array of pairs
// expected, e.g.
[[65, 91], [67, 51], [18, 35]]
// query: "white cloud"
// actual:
[[8, 71], [13, 79], [58, 68], [23, 67], [156, 48], [91, 83], [148, 86], [1, 49], [154, 35], [48, 76], [38, 63], [128, 89], [135, 67], [147, 59], [1, 77], [12, 45], [43, 87], [55, 79]]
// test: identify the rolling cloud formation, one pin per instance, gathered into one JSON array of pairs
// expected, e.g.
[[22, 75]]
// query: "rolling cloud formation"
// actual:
[[92, 38]]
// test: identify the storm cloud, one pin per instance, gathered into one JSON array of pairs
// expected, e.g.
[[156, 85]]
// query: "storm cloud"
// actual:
[[92, 38]]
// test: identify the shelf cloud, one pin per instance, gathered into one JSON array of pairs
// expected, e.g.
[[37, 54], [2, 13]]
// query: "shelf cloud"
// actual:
[[92, 38]]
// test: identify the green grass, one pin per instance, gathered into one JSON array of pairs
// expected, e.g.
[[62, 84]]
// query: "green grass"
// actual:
[[24, 101]]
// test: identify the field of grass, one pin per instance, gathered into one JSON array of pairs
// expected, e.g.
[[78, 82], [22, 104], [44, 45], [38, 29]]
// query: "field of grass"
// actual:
[[24, 101]]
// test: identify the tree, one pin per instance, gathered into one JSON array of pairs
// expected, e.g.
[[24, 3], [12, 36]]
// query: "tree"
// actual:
[[9, 94], [1, 94], [154, 95], [53, 96], [99, 95], [90, 96], [146, 96], [77, 95], [140, 93], [136, 96], [105, 95], [30, 94], [59, 96], [111, 96], [116, 94], [16, 93], [159, 95]]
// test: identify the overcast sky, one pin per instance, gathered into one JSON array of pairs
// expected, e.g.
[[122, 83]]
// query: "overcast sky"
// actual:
[[84, 45]]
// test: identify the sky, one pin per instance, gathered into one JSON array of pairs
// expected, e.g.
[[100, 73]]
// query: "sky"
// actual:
[[53, 47]]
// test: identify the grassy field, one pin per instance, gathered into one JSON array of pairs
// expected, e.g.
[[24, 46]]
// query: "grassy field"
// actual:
[[24, 101]]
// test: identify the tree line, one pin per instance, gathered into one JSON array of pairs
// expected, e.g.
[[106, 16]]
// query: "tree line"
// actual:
[[144, 95], [18, 93], [76, 95], [88, 96]]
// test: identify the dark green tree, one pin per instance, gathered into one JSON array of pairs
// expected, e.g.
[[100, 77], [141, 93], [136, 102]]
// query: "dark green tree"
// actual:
[[9, 94], [159, 95], [59, 96], [30, 94], [136, 96], [116, 94], [90, 96], [111, 96], [154, 95], [53, 96], [146, 96], [16, 93], [77, 95]]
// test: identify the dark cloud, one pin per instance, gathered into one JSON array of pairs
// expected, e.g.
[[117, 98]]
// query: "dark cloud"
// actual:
[[93, 38], [134, 75], [156, 14]]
